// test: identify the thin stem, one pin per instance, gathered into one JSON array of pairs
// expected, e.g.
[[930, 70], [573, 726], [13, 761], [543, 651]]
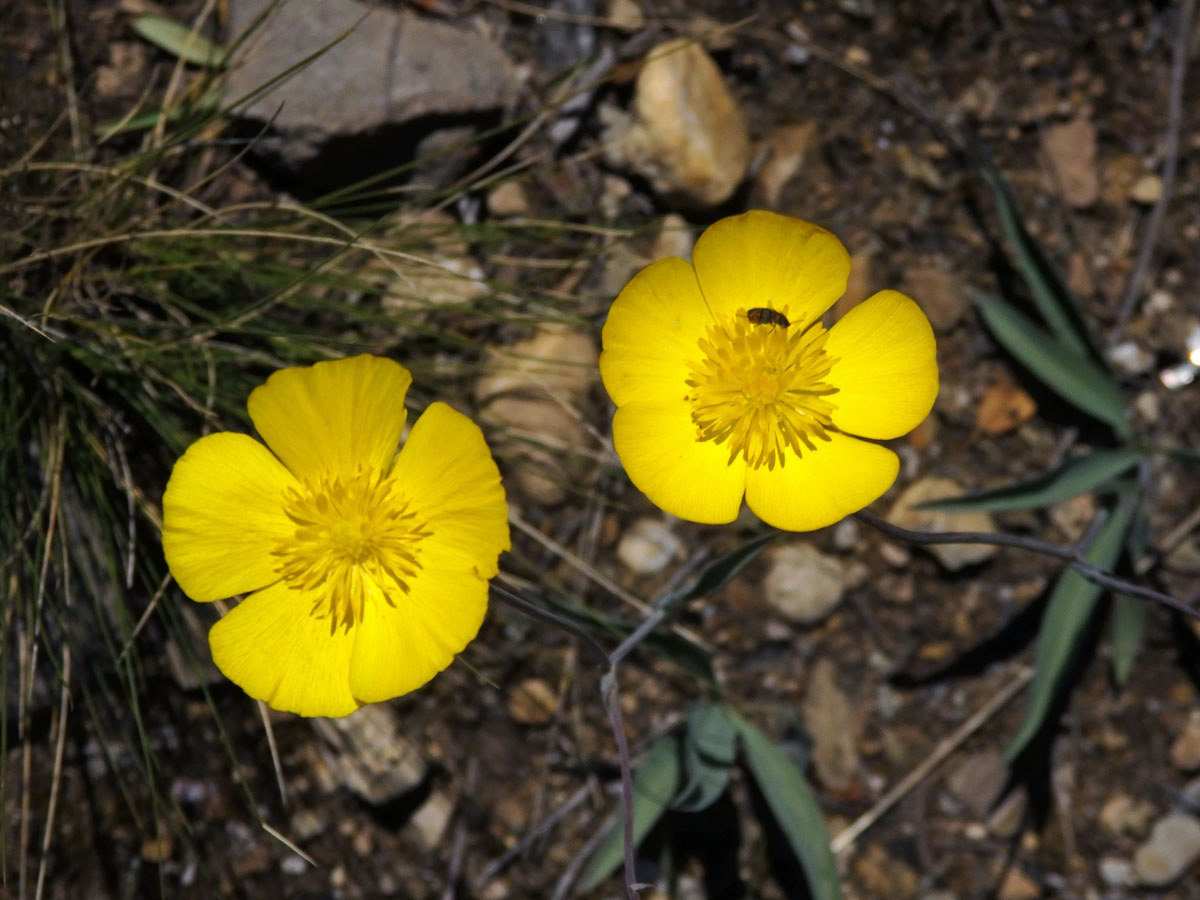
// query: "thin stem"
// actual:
[[1070, 555], [611, 696], [536, 612]]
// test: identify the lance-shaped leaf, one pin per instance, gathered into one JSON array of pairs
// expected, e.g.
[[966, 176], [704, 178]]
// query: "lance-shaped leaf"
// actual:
[[794, 808], [655, 782], [179, 40], [1053, 299], [1075, 378], [1068, 611], [1129, 613], [717, 573], [1074, 477], [709, 750]]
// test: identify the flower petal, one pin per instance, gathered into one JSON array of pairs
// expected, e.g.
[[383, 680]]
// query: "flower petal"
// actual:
[[399, 648], [333, 416], [886, 373], [273, 649], [453, 487], [451, 481], [762, 259], [691, 479], [223, 515], [821, 488], [651, 332]]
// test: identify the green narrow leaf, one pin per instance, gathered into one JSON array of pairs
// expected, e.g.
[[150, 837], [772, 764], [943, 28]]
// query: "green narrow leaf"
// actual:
[[709, 749], [1067, 613], [654, 785], [1130, 613], [179, 40], [717, 573], [794, 807], [1073, 377], [206, 103], [1074, 477], [1128, 629], [1053, 299]]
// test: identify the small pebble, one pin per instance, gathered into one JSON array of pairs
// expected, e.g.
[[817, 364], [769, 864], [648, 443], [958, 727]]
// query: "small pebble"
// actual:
[[533, 702], [1116, 872], [293, 865], [845, 535], [803, 584], [649, 546], [1130, 358], [1016, 885], [1121, 814], [1146, 190], [1185, 752], [951, 557], [1173, 846]]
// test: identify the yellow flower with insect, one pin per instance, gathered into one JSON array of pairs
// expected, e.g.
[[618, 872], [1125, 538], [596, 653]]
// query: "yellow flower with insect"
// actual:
[[727, 384], [366, 569]]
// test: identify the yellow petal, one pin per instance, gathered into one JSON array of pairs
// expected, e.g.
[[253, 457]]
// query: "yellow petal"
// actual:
[[399, 648], [223, 515], [886, 373], [685, 477], [272, 648], [651, 332], [821, 488], [764, 260], [453, 486], [333, 416]]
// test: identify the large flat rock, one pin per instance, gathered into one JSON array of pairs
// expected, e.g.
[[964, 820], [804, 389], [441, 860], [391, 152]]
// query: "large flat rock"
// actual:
[[344, 84]]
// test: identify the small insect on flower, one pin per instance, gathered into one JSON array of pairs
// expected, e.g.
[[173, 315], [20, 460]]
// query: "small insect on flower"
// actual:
[[762, 315]]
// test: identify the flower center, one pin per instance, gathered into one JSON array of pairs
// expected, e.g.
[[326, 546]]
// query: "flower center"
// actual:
[[760, 387], [355, 540]]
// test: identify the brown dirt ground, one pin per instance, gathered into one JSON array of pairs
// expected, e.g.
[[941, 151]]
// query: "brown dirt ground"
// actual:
[[916, 651]]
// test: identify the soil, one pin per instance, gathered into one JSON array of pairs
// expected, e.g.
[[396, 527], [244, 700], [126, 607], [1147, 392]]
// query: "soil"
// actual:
[[895, 92]]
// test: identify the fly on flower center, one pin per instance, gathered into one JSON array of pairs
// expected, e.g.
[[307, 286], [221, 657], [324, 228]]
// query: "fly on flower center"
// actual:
[[758, 385], [355, 540]]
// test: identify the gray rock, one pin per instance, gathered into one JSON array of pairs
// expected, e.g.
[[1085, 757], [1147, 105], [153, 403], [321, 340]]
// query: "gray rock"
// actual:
[[1116, 872], [803, 584], [371, 754], [649, 546], [832, 718], [1173, 846], [381, 84], [979, 781]]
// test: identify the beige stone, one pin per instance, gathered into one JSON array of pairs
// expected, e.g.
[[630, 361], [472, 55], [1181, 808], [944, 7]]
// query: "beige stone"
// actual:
[[951, 556], [687, 137], [531, 397]]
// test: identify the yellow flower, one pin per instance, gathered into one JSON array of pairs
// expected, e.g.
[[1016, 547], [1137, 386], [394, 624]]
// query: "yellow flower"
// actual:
[[727, 384], [367, 570]]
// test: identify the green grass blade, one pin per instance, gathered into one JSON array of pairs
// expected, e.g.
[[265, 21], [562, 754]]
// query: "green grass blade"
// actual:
[[1073, 377], [1070, 607], [794, 807], [1074, 477], [179, 40], [207, 103], [1053, 299], [654, 785]]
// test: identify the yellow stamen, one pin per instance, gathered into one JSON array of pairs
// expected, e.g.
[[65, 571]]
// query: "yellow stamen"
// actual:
[[761, 387], [355, 540]]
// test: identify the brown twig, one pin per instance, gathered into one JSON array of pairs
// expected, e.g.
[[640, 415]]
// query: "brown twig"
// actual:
[[844, 841]]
